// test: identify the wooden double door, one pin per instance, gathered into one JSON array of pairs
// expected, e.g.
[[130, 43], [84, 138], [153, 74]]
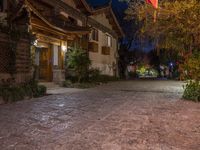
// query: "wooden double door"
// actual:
[[45, 65]]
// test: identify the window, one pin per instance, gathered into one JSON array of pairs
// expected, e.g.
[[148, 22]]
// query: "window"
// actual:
[[93, 47], [109, 40], [105, 50], [95, 35]]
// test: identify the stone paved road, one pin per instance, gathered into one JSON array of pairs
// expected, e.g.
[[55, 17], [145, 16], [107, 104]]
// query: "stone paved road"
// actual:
[[134, 115]]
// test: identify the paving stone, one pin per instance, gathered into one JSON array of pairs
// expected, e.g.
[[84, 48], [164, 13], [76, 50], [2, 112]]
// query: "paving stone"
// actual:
[[125, 115]]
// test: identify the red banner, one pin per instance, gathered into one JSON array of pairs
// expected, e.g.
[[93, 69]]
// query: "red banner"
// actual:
[[154, 3]]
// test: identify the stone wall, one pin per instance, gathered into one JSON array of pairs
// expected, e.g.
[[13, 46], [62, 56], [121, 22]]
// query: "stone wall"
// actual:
[[16, 61]]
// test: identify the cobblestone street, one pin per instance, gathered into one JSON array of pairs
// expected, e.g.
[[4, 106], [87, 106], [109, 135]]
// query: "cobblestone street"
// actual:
[[126, 115]]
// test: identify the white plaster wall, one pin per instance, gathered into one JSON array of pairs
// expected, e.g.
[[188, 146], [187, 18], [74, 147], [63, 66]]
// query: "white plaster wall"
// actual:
[[80, 23], [104, 62], [101, 18]]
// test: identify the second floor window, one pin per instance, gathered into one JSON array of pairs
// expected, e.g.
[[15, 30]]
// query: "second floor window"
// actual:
[[95, 35], [109, 40]]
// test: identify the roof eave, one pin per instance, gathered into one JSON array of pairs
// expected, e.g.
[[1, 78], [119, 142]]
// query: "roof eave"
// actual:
[[104, 9]]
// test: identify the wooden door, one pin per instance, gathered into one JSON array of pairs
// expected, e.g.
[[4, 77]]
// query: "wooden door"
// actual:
[[45, 66]]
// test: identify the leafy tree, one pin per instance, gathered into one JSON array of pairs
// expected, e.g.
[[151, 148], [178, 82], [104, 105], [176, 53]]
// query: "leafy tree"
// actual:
[[175, 25], [79, 61], [192, 66], [131, 29]]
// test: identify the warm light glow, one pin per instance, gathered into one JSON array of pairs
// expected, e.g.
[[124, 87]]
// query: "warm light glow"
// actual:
[[35, 43], [64, 48]]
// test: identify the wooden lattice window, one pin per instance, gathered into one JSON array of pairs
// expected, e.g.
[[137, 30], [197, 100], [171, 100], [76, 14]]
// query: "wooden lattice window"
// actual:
[[93, 47], [105, 50]]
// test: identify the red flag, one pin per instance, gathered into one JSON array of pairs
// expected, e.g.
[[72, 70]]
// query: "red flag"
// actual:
[[154, 3]]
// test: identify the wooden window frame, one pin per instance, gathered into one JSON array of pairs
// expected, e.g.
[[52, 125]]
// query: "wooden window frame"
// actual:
[[108, 43], [93, 47], [95, 35], [105, 50]]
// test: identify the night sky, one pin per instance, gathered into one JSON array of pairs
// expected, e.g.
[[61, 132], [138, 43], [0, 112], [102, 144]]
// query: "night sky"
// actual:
[[119, 8]]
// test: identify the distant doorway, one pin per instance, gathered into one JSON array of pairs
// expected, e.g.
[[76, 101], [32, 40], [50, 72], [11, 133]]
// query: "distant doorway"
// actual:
[[45, 65]]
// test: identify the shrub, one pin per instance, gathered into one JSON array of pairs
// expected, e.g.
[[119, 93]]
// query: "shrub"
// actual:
[[94, 74], [41, 90], [72, 79], [28, 90], [17, 93], [12, 93], [92, 79], [192, 66], [79, 61], [192, 91], [68, 84], [37, 90]]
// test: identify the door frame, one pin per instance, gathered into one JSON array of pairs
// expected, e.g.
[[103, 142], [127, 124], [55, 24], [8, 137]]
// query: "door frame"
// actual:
[[49, 77]]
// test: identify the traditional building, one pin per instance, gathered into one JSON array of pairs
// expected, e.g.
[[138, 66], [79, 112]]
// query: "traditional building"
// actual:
[[55, 31], [60, 24], [103, 41], [15, 62]]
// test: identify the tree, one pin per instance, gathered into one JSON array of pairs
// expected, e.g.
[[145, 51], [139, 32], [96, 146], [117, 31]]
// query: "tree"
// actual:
[[192, 66], [176, 26], [79, 61], [173, 26]]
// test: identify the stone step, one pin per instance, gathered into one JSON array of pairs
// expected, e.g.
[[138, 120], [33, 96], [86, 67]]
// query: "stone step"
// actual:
[[50, 85]]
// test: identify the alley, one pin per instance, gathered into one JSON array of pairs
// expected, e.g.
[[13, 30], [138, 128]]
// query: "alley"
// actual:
[[124, 115]]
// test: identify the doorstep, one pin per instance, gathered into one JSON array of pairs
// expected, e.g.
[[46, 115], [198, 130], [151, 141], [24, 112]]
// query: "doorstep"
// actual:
[[53, 88], [63, 90], [50, 85]]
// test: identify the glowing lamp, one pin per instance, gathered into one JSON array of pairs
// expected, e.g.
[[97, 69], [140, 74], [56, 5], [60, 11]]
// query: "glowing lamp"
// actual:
[[64, 48]]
